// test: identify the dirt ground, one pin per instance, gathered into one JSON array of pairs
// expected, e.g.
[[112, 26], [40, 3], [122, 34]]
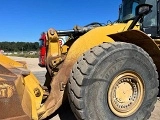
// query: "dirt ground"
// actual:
[[64, 113]]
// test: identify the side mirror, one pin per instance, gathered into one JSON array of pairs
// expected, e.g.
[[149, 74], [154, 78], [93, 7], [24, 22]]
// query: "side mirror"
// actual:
[[143, 9]]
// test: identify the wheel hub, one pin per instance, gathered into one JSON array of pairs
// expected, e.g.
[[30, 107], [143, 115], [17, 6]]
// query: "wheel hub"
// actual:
[[126, 94]]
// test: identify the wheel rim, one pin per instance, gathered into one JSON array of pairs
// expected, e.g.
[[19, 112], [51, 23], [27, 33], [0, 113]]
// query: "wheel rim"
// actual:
[[126, 94]]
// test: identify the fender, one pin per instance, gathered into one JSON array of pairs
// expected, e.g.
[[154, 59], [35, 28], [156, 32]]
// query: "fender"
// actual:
[[142, 40]]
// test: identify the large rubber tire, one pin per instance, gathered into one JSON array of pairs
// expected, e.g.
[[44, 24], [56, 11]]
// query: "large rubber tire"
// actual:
[[90, 87]]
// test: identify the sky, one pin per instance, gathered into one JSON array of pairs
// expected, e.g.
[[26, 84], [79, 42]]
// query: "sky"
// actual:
[[25, 20]]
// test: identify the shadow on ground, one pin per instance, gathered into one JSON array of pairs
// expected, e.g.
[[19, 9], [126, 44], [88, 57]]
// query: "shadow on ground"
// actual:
[[64, 112]]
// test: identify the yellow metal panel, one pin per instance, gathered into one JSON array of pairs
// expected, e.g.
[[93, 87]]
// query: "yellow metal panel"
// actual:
[[9, 62], [91, 39], [32, 84], [26, 86], [53, 44]]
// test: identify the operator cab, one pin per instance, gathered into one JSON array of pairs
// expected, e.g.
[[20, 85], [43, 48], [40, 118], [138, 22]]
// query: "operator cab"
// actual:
[[151, 22]]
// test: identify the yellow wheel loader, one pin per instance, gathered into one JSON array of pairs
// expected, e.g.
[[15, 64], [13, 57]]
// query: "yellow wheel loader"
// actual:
[[108, 72]]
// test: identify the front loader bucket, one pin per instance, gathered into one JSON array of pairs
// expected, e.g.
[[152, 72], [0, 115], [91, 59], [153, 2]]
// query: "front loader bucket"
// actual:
[[10, 104], [20, 92]]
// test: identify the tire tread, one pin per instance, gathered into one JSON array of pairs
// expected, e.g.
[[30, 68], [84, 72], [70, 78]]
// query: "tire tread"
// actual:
[[81, 71]]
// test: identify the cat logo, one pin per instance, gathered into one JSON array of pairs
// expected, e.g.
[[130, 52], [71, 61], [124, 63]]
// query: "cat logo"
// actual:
[[6, 90]]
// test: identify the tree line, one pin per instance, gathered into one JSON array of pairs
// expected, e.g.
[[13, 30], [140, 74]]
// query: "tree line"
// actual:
[[19, 46]]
